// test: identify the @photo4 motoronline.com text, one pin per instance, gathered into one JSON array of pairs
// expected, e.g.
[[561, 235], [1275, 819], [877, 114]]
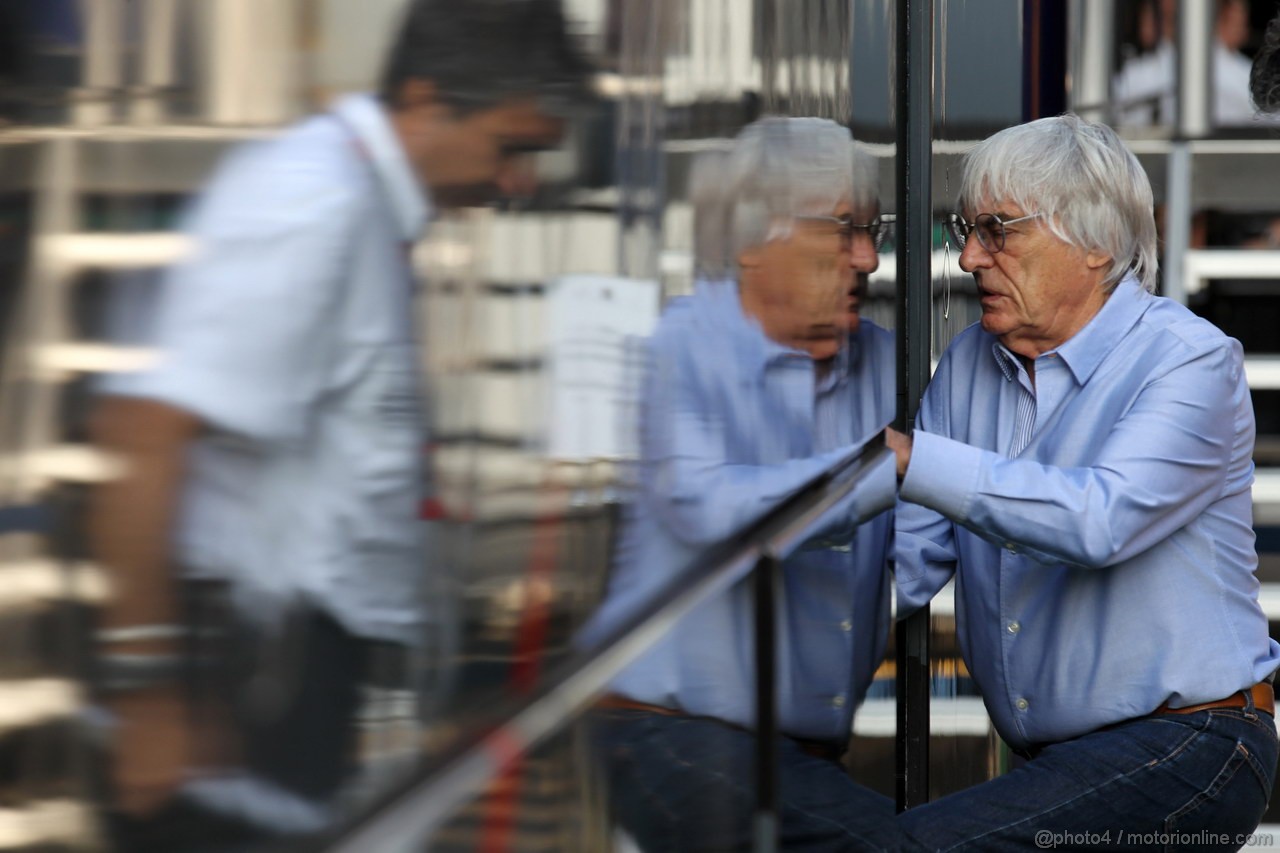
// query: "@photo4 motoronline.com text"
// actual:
[[1049, 840]]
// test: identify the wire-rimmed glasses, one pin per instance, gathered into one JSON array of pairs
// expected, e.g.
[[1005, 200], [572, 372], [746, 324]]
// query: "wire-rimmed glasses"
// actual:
[[877, 229], [989, 227]]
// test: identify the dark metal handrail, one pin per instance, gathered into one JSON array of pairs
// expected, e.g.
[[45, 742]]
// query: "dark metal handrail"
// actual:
[[421, 804]]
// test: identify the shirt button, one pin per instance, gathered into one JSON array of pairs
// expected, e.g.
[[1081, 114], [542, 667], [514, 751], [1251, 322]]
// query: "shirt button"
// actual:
[[1022, 704], [846, 625], [1011, 548], [1013, 627], [838, 702]]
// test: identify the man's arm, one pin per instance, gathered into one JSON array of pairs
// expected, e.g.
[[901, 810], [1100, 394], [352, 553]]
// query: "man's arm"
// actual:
[[924, 551], [700, 495], [246, 326], [130, 526], [131, 519], [1159, 466]]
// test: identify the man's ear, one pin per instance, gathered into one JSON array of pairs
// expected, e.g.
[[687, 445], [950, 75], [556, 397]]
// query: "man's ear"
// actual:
[[1097, 260], [749, 258], [417, 94]]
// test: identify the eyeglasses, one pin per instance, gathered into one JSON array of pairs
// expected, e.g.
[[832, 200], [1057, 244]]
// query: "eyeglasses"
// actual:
[[989, 226], [877, 229]]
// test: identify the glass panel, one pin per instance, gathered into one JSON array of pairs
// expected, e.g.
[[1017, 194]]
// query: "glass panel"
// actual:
[[258, 645], [792, 60]]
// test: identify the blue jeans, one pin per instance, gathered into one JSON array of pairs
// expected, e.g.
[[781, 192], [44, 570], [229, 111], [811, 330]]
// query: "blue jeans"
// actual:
[[688, 784], [1172, 782]]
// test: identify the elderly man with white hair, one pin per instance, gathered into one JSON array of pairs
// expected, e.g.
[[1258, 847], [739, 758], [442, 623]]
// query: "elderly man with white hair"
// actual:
[[758, 383], [1081, 465]]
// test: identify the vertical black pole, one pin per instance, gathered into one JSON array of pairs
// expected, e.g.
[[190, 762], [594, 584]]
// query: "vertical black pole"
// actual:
[[765, 584], [915, 245], [1044, 58]]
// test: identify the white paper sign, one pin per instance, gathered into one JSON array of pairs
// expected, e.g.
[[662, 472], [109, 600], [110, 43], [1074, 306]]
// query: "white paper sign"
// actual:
[[596, 327]]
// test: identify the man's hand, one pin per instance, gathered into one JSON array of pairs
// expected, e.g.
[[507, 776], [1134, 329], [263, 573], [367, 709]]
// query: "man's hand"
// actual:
[[901, 447], [152, 747]]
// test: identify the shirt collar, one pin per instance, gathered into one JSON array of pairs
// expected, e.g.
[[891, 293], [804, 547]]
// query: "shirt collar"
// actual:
[[1089, 346], [854, 347], [1004, 360], [1086, 349], [367, 119]]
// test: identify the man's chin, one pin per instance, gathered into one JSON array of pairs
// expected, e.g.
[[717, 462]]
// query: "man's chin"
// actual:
[[993, 323], [857, 295], [822, 347]]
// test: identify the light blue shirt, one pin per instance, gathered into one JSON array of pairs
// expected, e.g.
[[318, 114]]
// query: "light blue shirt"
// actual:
[[1098, 524], [288, 331], [732, 425]]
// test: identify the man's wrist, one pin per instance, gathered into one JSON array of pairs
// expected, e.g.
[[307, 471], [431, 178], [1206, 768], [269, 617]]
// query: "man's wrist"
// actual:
[[127, 634], [139, 656], [130, 672]]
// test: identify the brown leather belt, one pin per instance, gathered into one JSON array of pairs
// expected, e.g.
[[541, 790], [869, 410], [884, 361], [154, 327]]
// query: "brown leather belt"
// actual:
[[1264, 699], [614, 702]]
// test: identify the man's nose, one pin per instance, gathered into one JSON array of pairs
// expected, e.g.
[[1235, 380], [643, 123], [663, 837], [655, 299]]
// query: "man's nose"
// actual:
[[863, 256], [974, 255]]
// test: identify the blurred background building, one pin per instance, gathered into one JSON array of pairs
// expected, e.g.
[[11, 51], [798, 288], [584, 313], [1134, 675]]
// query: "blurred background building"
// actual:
[[113, 113]]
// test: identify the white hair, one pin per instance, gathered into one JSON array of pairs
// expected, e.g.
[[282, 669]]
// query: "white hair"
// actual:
[[785, 167], [1091, 189], [710, 199], [866, 178]]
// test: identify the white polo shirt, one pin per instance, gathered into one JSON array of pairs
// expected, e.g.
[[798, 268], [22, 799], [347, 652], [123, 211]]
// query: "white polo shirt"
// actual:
[[289, 333]]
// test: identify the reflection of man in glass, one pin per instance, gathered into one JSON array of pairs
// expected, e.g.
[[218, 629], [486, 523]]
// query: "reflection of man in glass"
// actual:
[[757, 385], [1082, 466], [275, 451], [1264, 76], [709, 198], [1143, 90]]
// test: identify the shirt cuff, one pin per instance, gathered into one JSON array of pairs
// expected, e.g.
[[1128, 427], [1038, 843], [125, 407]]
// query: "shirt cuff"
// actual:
[[942, 474]]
